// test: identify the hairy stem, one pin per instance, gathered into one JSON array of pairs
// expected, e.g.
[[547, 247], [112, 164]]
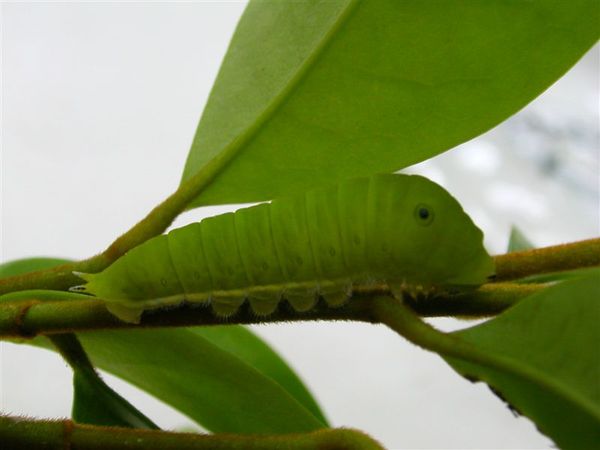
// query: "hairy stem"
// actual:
[[21, 433], [401, 318], [24, 319], [557, 258]]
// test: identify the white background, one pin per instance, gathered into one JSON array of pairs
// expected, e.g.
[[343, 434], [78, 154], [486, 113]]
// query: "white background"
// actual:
[[99, 105]]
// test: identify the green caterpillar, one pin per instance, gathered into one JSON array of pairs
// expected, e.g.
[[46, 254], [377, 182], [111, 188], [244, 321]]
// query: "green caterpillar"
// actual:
[[402, 230]]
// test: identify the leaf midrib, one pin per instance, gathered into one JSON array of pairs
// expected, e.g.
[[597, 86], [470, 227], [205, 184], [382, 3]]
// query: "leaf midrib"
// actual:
[[228, 153], [509, 365]]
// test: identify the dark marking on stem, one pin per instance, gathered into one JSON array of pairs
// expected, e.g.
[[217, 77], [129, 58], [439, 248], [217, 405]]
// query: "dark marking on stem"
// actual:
[[67, 433], [20, 328]]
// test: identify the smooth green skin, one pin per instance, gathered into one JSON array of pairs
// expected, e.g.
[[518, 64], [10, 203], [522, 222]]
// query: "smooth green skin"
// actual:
[[234, 343], [317, 92], [362, 230], [554, 335]]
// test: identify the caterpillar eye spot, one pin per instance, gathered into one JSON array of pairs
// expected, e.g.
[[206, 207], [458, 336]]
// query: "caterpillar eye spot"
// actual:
[[423, 214]]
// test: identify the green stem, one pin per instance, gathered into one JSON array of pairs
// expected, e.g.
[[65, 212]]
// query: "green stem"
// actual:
[[557, 258], [21, 433], [72, 352], [24, 319], [401, 318]]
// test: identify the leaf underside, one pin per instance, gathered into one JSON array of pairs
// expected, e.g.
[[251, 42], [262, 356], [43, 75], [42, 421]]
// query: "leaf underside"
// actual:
[[551, 339], [311, 93]]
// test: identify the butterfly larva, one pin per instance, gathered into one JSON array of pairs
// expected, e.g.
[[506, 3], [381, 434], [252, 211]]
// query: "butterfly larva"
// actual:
[[402, 230]]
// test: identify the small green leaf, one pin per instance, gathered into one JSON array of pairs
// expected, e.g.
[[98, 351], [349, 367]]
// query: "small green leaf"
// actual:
[[96, 403], [311, 93], [21, 266], [548, 343], [518, 241]]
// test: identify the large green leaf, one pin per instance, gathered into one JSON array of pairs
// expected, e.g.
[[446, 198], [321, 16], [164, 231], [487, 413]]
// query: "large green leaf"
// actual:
[[312, 92], [213, 387], [245, 345], [550, 342]]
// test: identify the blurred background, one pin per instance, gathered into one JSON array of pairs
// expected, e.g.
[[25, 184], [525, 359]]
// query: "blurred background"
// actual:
[[100, 102]]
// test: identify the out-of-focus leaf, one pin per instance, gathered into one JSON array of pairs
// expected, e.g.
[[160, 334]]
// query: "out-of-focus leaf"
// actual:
[[311, 93], [41, 294], [518, 241], [550, 341], [20, 266], [553, 277]]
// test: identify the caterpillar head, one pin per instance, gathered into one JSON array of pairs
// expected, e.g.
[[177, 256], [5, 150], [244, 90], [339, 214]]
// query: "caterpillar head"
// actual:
[[436, 243]]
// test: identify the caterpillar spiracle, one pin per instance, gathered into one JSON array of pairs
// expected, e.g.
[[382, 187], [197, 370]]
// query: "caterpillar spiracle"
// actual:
[[403, 230]]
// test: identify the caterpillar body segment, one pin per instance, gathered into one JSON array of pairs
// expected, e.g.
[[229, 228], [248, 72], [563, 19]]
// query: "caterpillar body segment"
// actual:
[[402, 230]]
